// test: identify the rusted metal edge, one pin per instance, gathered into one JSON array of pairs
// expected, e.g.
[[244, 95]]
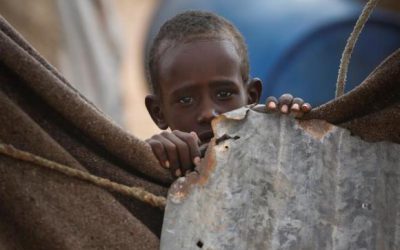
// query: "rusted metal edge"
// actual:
[[318, 129], [180, 189]]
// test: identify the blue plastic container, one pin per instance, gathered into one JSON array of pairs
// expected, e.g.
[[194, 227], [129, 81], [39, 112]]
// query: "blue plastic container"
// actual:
[[295, 45]]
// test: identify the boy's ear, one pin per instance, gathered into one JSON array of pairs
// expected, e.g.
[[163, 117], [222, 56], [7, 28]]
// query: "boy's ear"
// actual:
[[254, 90], [153, 106]]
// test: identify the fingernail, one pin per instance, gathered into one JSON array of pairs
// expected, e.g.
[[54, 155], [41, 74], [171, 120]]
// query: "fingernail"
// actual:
[[178, 172], [271, 105], [196, 160], [296, 107], [305, 107], [167, 164], [194, 135], [284, 109]]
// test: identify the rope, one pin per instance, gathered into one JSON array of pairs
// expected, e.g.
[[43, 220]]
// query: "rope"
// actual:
[[348, 50], [134, 192]]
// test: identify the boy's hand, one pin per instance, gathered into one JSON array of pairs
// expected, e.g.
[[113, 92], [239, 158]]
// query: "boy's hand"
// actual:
[[287, 105], [176, 150]]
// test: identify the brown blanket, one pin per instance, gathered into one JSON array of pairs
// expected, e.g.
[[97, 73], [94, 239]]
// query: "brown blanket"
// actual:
[[371, 110], [40, 209], [43, 114]]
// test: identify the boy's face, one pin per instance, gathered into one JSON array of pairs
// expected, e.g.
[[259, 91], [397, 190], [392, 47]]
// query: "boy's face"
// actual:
[[198, 81]]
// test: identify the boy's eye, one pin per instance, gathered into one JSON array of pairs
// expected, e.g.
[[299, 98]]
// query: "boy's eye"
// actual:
[[224, 94], [186, 100]]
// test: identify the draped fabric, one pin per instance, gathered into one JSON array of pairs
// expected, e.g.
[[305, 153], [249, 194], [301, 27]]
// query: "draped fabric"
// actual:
[[371, 110], [40, 209]]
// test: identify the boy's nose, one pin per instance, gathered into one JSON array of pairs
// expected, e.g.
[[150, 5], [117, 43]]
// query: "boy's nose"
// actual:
[[207, 115]]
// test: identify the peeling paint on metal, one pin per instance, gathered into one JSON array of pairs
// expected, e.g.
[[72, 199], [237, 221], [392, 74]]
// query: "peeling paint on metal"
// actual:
[[260, 108], [237, 114], [287, 184], [316, 128], [183, 185], [207, 164]]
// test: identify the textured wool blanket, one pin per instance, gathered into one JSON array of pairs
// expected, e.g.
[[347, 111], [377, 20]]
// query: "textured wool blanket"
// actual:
[[40, 112]]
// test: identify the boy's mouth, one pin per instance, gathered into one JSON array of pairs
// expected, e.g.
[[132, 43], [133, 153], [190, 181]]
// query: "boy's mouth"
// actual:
[[205, 136]]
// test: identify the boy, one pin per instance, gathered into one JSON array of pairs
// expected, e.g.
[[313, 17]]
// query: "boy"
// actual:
[[198, 68]]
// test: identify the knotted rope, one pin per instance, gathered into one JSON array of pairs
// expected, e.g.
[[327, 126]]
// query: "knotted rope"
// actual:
[[134, 192], [348, 50]]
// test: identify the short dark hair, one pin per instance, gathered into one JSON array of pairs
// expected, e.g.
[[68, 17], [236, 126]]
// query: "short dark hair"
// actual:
[[191, 25]]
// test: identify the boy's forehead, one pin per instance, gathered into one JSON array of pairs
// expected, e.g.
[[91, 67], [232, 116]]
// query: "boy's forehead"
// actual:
[[199, 61], [201, 50], [210, 41]]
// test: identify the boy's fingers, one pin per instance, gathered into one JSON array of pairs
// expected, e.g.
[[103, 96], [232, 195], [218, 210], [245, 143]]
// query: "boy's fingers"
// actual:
[[306, 107], [158, 150], [178, 172], [295, 109], [182, 149], [170, 150], [196, 159], [271, 104], [196, 137], [193, 143], [285, 102], [297, 103]]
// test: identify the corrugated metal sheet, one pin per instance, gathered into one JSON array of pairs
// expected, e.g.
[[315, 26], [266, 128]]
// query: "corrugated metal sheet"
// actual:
[[279, 183]]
